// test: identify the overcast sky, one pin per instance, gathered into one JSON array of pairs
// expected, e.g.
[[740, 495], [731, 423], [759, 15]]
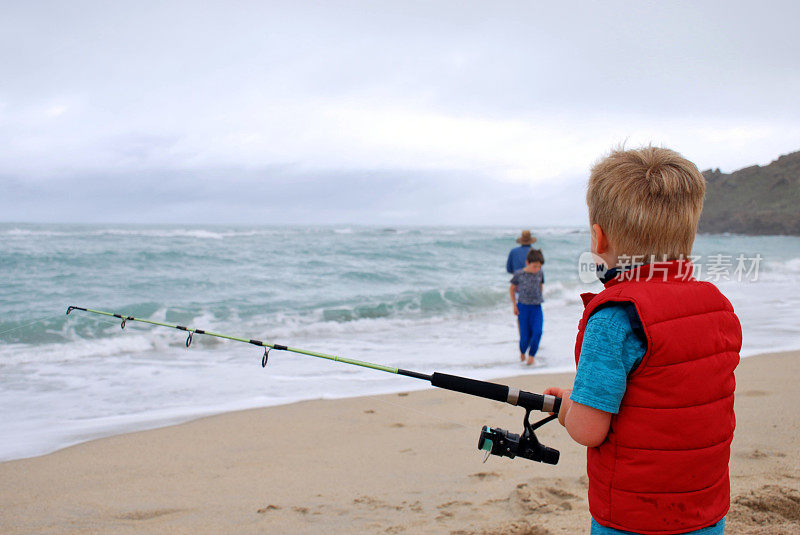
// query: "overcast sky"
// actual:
[[374, 112]]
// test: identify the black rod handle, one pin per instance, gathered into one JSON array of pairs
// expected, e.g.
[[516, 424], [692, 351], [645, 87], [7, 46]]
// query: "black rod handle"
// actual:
[[485, 389], [465, 385]]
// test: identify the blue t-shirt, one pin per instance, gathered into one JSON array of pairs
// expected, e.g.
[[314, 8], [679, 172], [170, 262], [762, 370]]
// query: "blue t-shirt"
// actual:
[[716, 529], [516, 258], [613, 346], [610, 351]]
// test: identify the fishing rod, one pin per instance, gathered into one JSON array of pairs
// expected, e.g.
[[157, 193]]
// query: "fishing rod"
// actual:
[[494, 441]]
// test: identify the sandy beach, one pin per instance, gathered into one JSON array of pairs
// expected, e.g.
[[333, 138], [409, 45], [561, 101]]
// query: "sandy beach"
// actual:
[[399, 463]]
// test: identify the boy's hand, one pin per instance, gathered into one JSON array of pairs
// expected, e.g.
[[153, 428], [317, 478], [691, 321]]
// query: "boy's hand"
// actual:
[[562, 393], [555, 391], [516, 310]]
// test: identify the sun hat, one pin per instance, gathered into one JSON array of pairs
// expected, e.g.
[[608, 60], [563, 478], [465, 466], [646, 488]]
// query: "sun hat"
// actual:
[[525, 238]]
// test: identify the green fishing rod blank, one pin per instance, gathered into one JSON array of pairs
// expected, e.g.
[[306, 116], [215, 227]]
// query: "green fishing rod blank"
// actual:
[[268, 347]]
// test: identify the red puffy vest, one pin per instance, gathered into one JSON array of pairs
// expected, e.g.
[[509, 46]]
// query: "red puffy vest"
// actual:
[[664, 466]]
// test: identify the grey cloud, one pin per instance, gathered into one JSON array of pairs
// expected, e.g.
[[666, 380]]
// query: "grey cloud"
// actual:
[[150, 90], [286, 196], [491, 57]]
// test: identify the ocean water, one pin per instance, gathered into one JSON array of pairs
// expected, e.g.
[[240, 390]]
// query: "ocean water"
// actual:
[[424, 299]]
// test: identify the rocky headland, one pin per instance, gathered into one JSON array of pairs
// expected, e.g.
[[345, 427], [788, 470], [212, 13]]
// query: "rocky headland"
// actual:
[[754, 200]]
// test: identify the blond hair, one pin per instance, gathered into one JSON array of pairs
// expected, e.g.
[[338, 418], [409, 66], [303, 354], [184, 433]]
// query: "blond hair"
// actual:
[[648, 201]]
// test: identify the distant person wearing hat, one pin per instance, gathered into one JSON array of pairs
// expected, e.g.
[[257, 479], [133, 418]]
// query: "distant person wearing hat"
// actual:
[[517, 256]]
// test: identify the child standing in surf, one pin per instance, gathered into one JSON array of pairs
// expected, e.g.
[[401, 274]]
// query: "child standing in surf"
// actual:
[[528, 283], [653, 393]]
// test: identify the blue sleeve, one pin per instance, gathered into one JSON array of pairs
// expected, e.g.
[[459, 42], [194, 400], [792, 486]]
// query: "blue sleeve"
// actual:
[[509, 264], [610, 351]]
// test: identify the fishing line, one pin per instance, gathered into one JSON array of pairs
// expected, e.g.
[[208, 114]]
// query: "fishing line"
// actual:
[[29, 324], [493, 441]]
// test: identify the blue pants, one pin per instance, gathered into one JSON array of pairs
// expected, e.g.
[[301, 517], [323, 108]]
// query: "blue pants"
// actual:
[[530, 328]]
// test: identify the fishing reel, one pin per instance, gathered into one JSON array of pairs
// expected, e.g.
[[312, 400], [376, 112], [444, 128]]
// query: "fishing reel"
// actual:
[[495, 441]]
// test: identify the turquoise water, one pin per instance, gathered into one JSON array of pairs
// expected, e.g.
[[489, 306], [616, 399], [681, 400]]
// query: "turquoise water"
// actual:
[[426, 299]]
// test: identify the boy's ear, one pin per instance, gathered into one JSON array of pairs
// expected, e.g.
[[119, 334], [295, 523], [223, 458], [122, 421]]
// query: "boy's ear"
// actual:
[[601, 238]]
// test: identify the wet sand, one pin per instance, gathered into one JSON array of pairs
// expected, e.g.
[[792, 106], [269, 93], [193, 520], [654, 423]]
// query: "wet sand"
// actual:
[[399, 463]]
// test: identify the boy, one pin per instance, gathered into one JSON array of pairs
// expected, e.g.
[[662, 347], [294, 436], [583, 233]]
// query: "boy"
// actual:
[[528, 283], [656, 351]]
